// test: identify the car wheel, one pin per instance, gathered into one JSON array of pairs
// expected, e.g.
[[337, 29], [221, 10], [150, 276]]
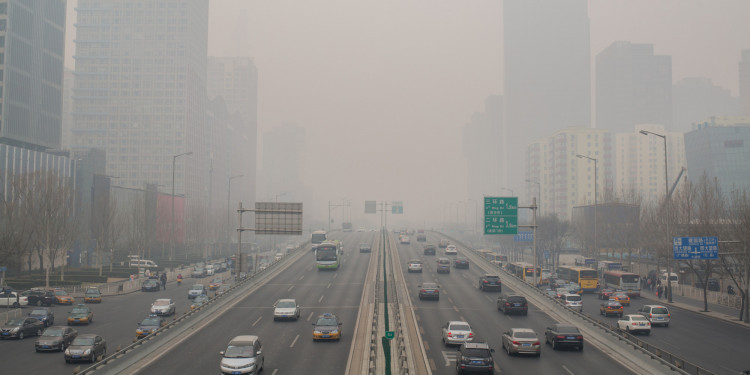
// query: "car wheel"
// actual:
[[20, 335], [554, 344], [580, 348], [16, 305], [507, 349], [666, 324]]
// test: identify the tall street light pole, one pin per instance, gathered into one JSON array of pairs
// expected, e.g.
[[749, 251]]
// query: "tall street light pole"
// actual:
[[538, 194], [510, 190], [596, 249], [666, 210], [229, 208], [171, 239]]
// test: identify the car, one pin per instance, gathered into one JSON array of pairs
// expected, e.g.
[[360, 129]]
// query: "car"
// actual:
[[21, 327], [512, 304], [574, 288], [611, 308], [196, 290], [149, 325], [92, 295], [557, 283], [222, 289], [475, 357], [521, 341], [605, 293], [429, 291], [414, 265], [80, 314], [365, 248], [621, 297], [573, 301], [285, 309], [361, 229], [215, 283], [429, 250], [45, 315], [443, 265], [86, 347], [210, 270], [421, 237], [198, 272], [39, 297], [163, 307], [55, 338], [62, 297], [327, 327], [561, 292], [656, 314], [243, 355], [563, 335], [443, 243], [550, 293], [461, 263], [490, 282], [199, 301], [634, 323], [150, 285], [457, 332], [405, 240], [451, 250]]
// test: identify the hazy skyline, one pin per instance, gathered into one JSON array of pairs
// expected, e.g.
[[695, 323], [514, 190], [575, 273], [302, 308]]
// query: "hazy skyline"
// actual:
[[384, 88]]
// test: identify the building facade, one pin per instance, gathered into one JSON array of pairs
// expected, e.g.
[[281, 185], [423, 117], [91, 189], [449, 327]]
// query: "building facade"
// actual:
[[697, 98], [720, 149], [482, 147], [744, 68]]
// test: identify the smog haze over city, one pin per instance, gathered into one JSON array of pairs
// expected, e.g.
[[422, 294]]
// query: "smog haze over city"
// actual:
[[383, 89]]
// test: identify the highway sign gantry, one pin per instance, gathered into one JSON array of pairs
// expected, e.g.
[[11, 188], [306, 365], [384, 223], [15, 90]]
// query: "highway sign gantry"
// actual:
[[500, 215]]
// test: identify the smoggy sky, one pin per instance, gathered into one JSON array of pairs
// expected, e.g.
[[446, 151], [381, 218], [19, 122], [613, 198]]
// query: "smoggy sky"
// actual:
[[384, 87]]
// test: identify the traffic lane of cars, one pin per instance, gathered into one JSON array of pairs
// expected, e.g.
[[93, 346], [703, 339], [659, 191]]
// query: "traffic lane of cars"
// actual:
[[115, 319], [689, 327], [461, 300], [287, 345]]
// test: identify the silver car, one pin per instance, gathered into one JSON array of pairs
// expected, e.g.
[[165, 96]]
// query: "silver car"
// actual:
[[163, 306], [456, 332], [521, 340], [286, 309], [243, 355]]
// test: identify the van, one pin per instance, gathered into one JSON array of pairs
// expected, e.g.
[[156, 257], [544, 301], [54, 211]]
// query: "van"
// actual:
[[656, 314], [573, 301], [443, 265], [243, 355], [144, 263], [210, 269], [672, 278]]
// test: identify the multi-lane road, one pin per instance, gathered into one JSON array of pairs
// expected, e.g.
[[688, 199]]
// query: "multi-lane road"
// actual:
[[288, 346]]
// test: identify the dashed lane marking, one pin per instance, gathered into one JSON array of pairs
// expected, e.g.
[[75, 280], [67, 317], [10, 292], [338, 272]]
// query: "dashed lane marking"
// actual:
[[257, 320], [449, 357], [432, 365], [301, 277], [309, 316], [320, 299], [566, 369], [294, 341], [290, 288], [328, 286]]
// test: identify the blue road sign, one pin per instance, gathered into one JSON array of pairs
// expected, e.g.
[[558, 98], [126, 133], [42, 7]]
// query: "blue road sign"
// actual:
[[695, 247], [3, 269], [524, 237]]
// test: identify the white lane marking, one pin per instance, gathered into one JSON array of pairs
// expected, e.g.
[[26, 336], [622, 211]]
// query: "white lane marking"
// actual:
[[566, 369], [257, 320], [449, 357], [334, 276], [296, 338], [488, 298], [329, 285], [290, 288], [320, 299], [275, 371], [310, 316], [301, 277]]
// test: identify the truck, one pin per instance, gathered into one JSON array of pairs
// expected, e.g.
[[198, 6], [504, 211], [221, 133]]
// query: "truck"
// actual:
[[346, 226]]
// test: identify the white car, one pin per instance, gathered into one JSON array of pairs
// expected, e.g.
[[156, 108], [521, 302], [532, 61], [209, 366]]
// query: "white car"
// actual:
[[13, 299], [163, 306], [278, 256], [415, 265], [451, 250], [405, 240], [456, 332], [573, 301], [633, 323], [286, 309]]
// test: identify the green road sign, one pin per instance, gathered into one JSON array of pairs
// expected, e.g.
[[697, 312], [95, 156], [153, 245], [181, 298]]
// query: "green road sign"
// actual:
[[389, 335], [500, 215], [397, 207]]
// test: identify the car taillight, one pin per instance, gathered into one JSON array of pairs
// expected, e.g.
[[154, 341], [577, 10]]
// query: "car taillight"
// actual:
[[471, 334], [422, 291], [537, 343], [669, 315], [507, 304], [516, 342], [560, 337], [486, 282], [650, 316], [635, 324], [648, 324]]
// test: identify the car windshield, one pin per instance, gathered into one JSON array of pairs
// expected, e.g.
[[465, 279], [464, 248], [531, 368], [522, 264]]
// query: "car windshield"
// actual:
[[638, 318], [197, 287], [492, 277], [39, 312], [150, 322], [327, 322], [415, 261], [286, 304], [460, 327], [61, 293], [573, 298], [83, 341], [476, 352], [79, 310], [614, 304], [429, 286], [239, 352], [524, 335], [55, 332], [15, 322], [93, 291], [659, 310], [161, 303], [567, 329], [516, 299]]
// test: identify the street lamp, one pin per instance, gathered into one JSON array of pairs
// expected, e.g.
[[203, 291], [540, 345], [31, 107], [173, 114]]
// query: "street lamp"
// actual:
[[171, 239], [510, 190], [596, 249], [229, 208], [666, 209]]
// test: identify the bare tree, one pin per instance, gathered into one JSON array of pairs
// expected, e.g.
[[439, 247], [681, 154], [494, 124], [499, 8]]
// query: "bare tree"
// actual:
[[103, 228], [551, 234], [737, 265], [16, 230], [138, 234]]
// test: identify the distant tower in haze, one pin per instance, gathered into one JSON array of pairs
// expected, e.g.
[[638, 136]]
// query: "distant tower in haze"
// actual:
[[482, 137], [547, 74], [745, 82], [633, 86]]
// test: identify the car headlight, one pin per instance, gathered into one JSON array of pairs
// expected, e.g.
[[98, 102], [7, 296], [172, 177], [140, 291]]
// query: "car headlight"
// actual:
[[67, 351], [87, 352], [138, 331], [317, 332], [335, 332], [14, 330]]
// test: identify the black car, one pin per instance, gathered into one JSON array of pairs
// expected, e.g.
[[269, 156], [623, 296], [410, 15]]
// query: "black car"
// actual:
[[365, 248], [461, 263], [563, 335], [429, 291], [429, 249], [39, 297], [86, 347], [149, 325], [490, 282], [55, 338], [475, 357], [512, 304], [150, 285], [45, 315], [21, 327]]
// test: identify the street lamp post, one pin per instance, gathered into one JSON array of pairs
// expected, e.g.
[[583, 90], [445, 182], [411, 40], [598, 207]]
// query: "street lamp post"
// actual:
[[510, 190], [596, 249], [171, 239], [538, 194], [666, 209], [229, 208]]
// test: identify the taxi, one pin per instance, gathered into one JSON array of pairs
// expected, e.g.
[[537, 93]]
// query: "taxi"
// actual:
[[80, 314], [149, 325], [611, 307], [621, 297], [62, 297], [327, 327], [215, 283], [92, 295]]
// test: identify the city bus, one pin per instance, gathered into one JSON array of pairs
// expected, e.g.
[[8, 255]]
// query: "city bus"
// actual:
[[626, 281], [525, 271], [586, 278], [318, 237], [328, 255]]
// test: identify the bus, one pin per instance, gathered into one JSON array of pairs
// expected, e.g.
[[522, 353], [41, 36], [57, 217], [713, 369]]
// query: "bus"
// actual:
[[586, 278], [626, 281], [318, 237], [328, 255], [525, 271]]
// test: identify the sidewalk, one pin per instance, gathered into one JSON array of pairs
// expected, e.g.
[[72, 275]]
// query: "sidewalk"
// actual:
[[726, 313]]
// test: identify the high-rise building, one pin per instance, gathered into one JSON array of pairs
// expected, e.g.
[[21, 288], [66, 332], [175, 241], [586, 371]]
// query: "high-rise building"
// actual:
[[639, 162], [67, 107], [482, 140], [32, 51], [547, 73], [744, 68], [697, 98], [140, 91], [720, 148], [633, 86], [566, 180]]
